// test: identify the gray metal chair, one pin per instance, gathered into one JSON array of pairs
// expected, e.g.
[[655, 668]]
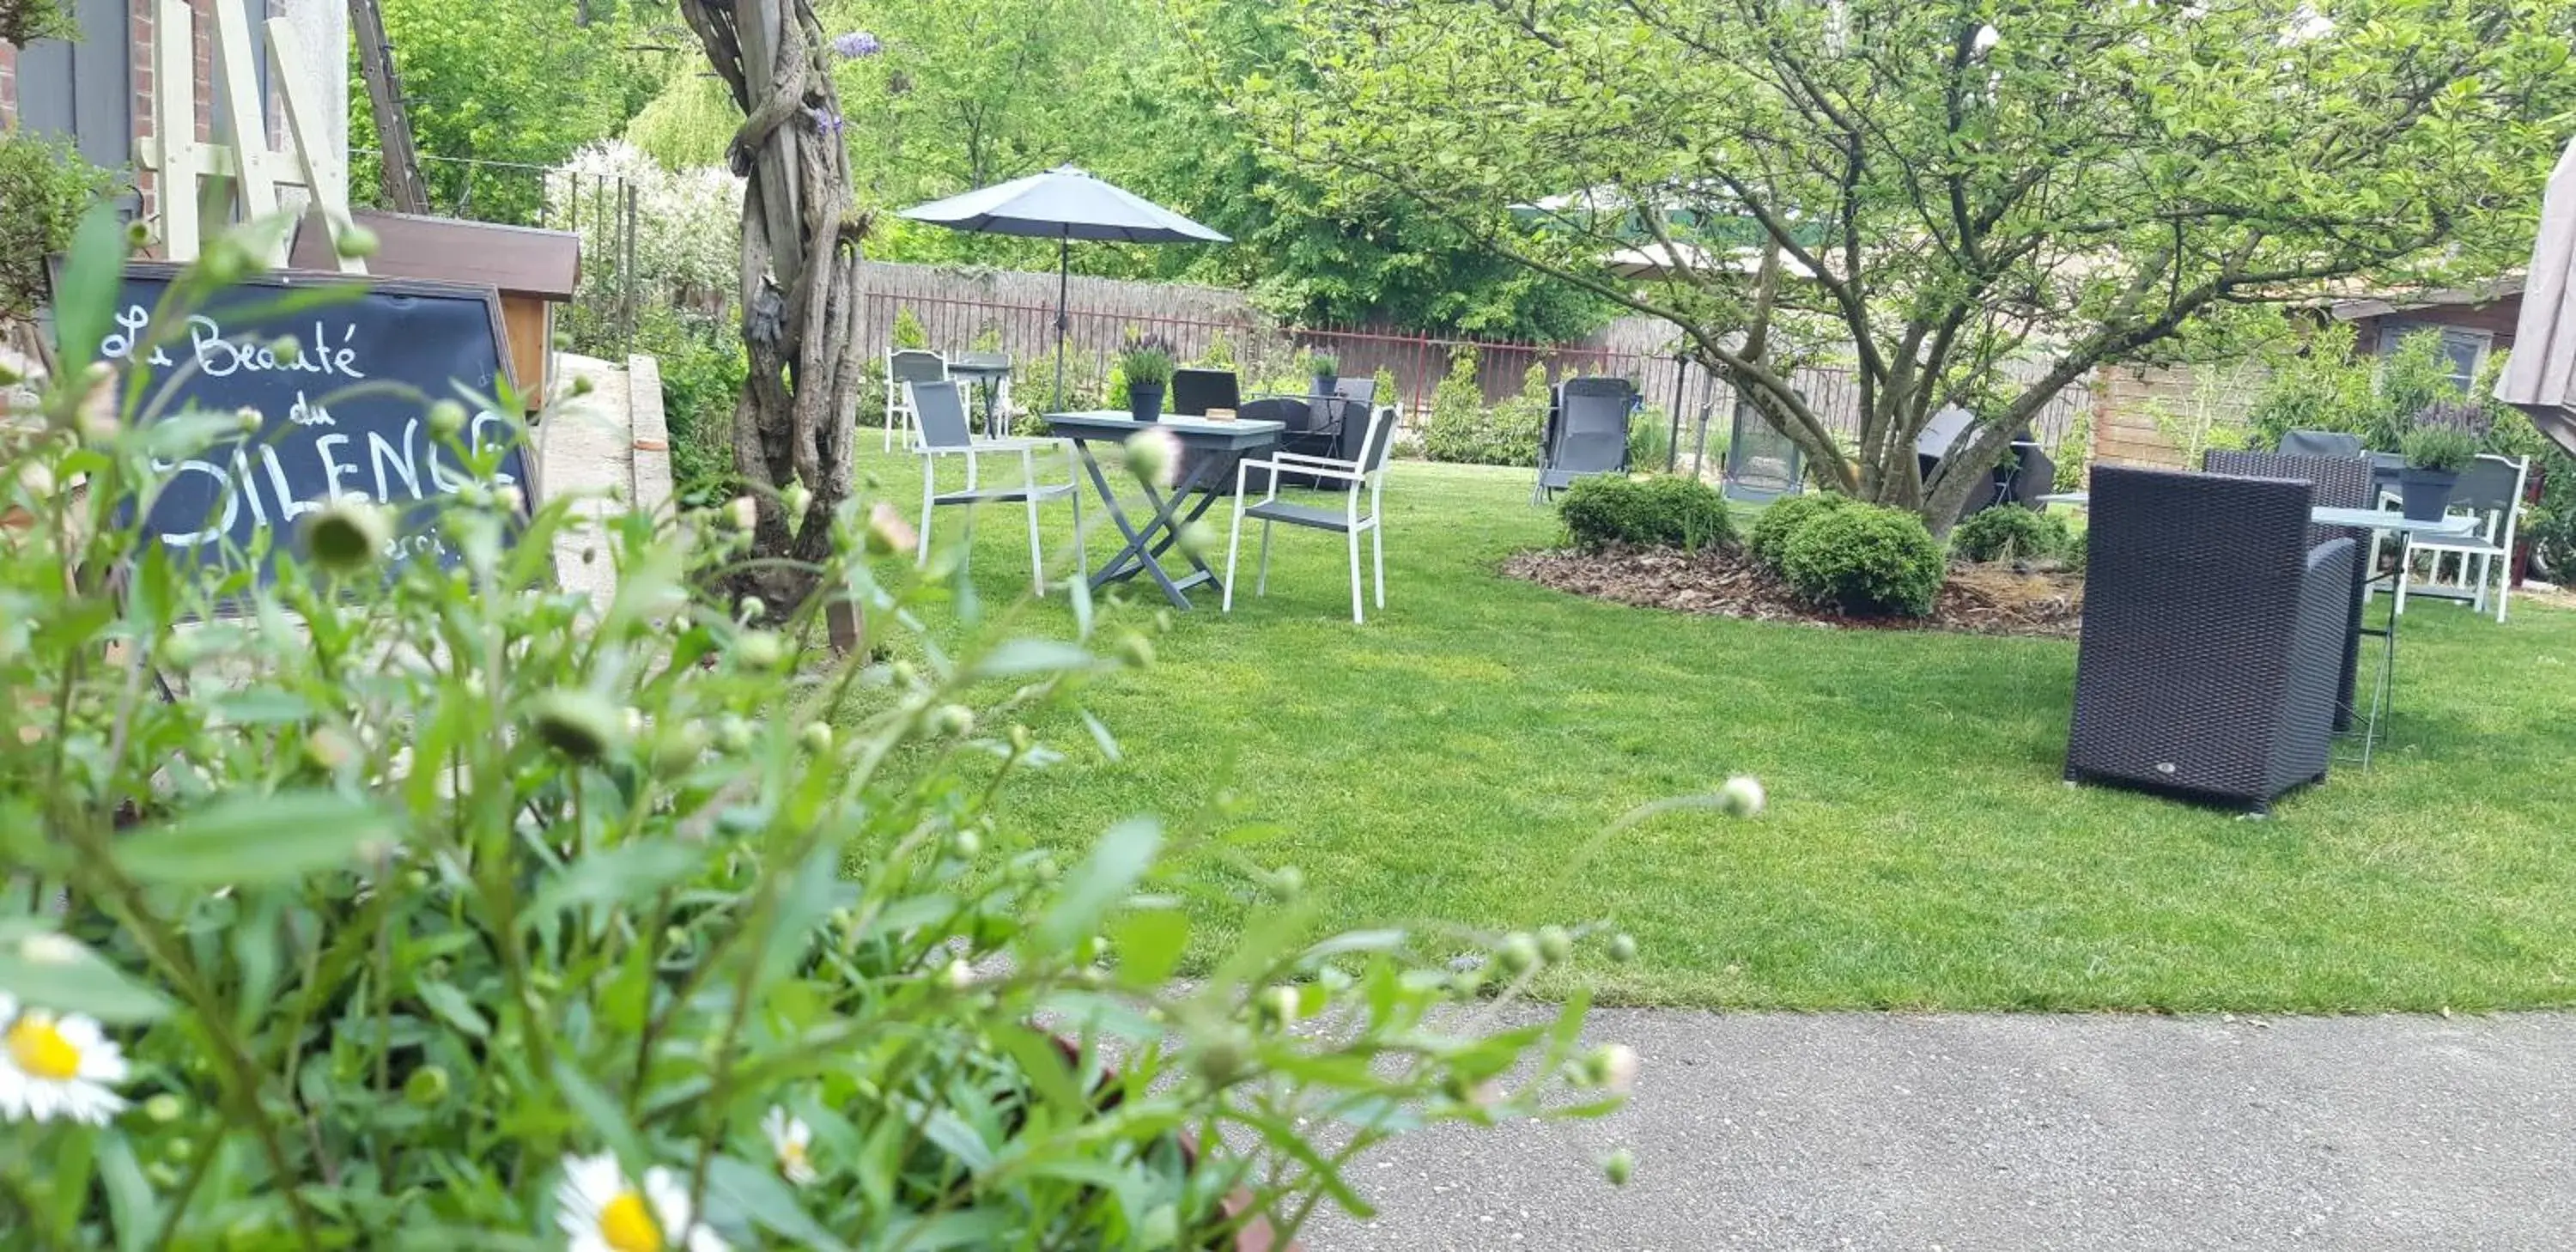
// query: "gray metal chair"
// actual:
[[1366, 470], [2490, 489], [2212, 637], [1195, 391], [941, 413], [2333, 443], [1586, 435], [904, 367], [1761, 464]]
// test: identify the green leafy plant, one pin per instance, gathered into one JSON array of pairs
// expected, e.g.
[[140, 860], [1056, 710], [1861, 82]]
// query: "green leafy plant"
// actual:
[[436, 905], [1782, 519], [1866, 560], [1322, 364], [2437, 447], [1647, 511], [23, 22], [1146, 367], [1219, 354], [45, 186], [2007, 533], [908, 332], [1462, 428], [2074, 451]]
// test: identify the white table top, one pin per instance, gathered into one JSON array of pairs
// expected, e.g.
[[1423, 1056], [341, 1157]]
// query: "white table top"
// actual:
[[2388, 520]]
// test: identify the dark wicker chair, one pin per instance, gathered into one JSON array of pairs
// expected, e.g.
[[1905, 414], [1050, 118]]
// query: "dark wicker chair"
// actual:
[[2212, 637], [2341, 482]]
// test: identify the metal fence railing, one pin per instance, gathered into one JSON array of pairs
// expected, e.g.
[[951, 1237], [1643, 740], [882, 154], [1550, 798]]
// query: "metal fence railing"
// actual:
[[601, 208], [1703, 403]]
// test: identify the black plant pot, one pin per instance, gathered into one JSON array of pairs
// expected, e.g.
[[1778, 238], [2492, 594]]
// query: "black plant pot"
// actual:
[[1145, 401], [1324, 384], [2426, 492]]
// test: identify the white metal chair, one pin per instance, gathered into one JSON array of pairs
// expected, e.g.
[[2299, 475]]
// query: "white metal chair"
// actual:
[[941, 414], [2490, 489], [1368, 469], [904, 367]]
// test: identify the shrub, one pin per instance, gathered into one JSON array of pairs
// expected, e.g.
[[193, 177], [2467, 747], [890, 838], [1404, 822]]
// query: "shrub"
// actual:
[[466, 888], [1659, 511], [908, 332], [1781, 520], [2009, 533], [45, 186], [1866, 560], [1464, 430], [688, 237]]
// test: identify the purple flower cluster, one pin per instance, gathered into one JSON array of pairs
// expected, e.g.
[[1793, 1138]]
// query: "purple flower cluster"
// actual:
[[826, 121], [856, 44]]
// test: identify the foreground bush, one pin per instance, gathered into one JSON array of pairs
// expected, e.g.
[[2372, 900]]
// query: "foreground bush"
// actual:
[[2010, 533], [1782, 519], [1866, 560], [1662, 511], [440, 908]]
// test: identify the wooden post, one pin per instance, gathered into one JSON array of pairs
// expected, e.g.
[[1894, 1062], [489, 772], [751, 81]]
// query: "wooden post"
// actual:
[[174, 128], [400, 178]]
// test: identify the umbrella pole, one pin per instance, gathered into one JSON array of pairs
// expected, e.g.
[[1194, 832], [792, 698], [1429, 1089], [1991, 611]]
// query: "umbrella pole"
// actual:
[[1063, 286]]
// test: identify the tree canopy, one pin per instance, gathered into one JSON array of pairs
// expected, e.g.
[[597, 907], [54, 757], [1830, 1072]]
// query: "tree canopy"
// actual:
[[1969, 203]]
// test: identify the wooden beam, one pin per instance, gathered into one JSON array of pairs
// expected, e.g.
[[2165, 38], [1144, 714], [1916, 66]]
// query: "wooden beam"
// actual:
[[174, 127], [324, 180]]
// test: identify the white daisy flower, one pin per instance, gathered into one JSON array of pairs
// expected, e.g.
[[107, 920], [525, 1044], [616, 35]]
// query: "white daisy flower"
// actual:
[[56, 1066], [602, 1212], [792, 1140]]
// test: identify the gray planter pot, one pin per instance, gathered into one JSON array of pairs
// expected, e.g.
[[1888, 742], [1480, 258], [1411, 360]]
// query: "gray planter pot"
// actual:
[[1145, 401], [2426, 492]]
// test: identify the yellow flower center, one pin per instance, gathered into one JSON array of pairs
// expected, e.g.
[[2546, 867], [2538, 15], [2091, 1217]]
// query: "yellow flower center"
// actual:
[[628, 1226], [791, 1157], [41, 1051]]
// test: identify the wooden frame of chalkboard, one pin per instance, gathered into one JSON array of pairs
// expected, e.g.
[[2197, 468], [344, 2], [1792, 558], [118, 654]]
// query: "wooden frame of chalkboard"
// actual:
[[435, 339]]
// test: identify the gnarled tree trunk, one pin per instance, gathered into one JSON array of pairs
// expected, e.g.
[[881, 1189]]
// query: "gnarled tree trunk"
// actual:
[[800, 278]]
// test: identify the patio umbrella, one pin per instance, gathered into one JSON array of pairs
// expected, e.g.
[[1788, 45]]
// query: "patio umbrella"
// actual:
[[1063, 204], [2540, 377]]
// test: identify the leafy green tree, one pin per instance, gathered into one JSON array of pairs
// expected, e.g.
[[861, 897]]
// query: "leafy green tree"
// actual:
[[522, 82], [1973, 204]]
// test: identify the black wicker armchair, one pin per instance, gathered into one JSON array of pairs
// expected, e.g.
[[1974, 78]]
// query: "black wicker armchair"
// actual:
[[2213, 634], [2341, 482]]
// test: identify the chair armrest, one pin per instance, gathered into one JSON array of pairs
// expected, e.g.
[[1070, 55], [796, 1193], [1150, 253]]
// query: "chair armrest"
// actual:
[[1323, 462], [1302, 467]]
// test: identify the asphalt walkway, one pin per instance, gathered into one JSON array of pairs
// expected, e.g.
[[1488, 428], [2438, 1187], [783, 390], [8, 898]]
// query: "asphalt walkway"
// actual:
[[1960, 1132]]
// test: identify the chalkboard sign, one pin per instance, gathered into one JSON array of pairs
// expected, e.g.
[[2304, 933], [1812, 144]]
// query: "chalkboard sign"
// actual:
[[346, 414]]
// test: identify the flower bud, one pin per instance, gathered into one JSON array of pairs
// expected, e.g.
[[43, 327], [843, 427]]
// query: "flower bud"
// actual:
[[475, 496], [1221, 1056], [965, 843], [446, 419], [759, 649], [354, 241], [329, 748], [1612, 1067], [1021, 738], [959, 974], [1154, 456], [1277, 1006], [579, 724], [904, 673], [582, 386], [734, 733], [1555, 944], [1619, 1167], [509, 498], [1287, 882], [346, 536], [741, 513], [248, 420], [164, 1108], [951, 720], [1519, 952], [1623, 948], [426, 1086], [1741, 796], [888, 533], [798, 498], [750, 609], [1045, 870], [817, 737], [179, 1150], [287, 349], [162, 1175]]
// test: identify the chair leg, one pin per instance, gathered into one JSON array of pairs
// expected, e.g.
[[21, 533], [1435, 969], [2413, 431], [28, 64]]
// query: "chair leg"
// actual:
[[1037, 554], [1233, 547], [1354, 536], [1377, 543], [929, 489], [1261, 586], [2405, 570]]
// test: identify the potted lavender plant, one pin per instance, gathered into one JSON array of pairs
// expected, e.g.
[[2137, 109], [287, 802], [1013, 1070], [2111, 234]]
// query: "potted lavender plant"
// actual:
[[2441, 442]]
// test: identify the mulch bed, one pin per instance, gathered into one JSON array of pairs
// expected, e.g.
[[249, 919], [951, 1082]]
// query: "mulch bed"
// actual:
[[1978, 599]]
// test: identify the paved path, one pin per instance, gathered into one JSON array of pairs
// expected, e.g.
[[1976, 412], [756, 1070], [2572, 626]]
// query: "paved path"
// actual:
[[2033, 1132], [609, 449]]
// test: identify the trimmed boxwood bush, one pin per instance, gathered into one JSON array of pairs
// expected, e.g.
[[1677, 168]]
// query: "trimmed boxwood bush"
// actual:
[[2009, 533], [1867, 561], [1784, 518], [1663, 511]]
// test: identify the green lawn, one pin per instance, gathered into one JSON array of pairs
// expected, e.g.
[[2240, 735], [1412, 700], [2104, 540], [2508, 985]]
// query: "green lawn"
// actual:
[[1460, 756]]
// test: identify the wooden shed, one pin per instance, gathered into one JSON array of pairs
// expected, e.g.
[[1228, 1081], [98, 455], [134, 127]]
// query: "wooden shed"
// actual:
[[533, 269]]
